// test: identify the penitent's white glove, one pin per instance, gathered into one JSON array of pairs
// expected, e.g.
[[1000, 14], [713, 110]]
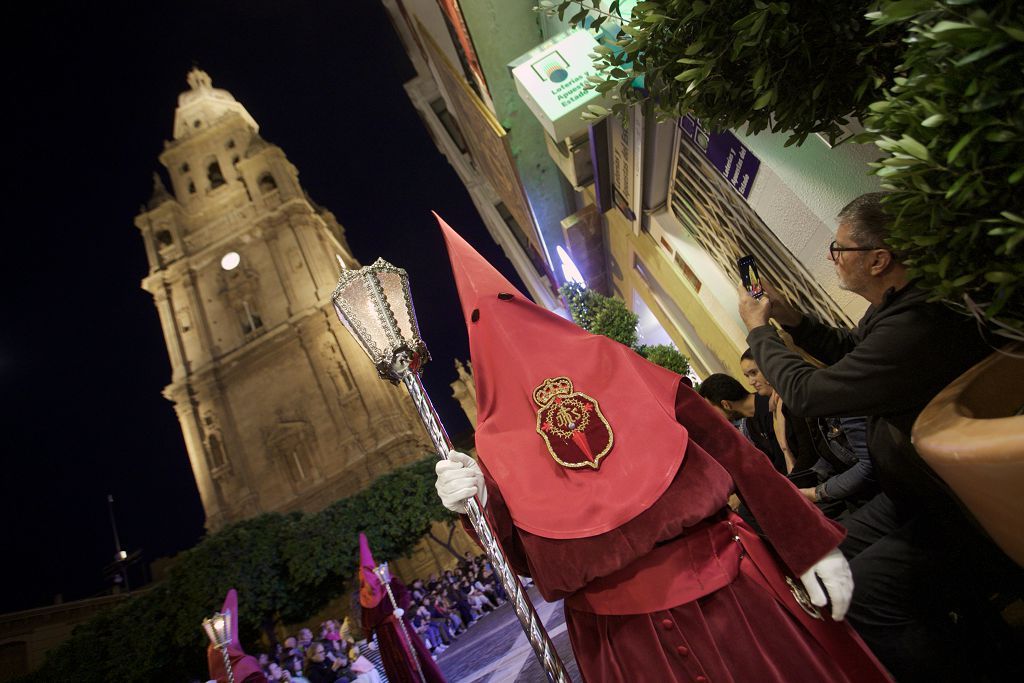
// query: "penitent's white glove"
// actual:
[[834, 573], [458, 479], [399, 612]]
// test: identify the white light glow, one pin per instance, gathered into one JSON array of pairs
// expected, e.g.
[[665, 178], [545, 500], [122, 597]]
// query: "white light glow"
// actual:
[[230, 260], [569, 269]]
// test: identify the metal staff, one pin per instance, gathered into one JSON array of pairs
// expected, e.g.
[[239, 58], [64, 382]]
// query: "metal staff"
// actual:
[[375, 304], [379, 571]]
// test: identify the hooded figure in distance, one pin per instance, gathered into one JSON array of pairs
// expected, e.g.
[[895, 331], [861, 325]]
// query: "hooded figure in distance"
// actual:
[[245, 667]]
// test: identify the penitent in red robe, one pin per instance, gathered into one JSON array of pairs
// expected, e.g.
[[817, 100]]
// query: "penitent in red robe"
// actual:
[[684, 591], [398, 662]]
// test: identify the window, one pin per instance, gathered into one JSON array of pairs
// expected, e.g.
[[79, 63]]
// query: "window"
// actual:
[[231, 144], [251, 320], [521, 238], [267, 183], [449, 123], [191, 187], [214, 175], [185, 168], [163, 238], [216, 452]]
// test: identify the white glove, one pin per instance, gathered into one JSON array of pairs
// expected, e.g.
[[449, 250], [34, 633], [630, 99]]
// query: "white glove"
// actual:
[[834, 573], [399, 612], [458, 479]]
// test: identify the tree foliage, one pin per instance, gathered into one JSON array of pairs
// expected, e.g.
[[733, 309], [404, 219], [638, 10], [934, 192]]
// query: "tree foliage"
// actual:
[[609, 316], [285, 567], [800, 67], [954, 125]]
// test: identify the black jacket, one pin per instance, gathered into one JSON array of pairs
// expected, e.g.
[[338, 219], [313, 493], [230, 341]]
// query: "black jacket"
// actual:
[[897, 359]]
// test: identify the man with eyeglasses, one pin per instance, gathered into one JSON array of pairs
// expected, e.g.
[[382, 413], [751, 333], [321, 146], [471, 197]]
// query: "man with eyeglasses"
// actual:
[[915, 558]]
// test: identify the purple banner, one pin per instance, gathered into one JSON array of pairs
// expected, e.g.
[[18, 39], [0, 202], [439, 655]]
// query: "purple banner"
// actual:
[[732, 158]]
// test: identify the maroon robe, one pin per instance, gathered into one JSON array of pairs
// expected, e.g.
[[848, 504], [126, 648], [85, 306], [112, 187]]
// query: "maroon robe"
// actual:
[[683, 591], [394, 653]]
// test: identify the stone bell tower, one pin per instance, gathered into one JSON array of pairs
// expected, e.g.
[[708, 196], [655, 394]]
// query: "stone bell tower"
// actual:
[[279, 407]]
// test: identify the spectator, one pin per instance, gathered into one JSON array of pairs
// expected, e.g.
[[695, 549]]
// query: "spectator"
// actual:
[[844, 475], [915, 557], [751, 413], [321, 668], [791, 432], [831, 465]]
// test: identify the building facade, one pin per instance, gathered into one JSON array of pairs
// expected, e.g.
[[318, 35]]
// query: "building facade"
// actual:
[[279, 408], [655, 213]]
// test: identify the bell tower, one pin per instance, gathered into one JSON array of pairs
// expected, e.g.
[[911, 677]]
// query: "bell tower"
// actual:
[[278, 406]]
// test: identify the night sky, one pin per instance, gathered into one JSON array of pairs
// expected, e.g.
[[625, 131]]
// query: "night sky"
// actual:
[[90, 98]]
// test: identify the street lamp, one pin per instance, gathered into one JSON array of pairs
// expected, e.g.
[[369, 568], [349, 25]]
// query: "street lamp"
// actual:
[[218, 630], [375, 304]]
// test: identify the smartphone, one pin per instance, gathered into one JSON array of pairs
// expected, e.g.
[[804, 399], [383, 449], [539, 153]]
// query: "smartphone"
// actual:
[[749, 276]]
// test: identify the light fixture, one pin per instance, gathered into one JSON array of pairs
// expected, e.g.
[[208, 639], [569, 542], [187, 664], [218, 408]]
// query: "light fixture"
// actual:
[[218, 630], [375, 305], [569, 269], [230, 260]]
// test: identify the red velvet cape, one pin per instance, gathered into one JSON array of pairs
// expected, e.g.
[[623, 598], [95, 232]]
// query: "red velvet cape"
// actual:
[[394, 653], [738, 630]]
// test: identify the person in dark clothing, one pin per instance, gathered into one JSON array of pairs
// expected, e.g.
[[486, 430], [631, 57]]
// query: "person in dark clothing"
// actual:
[[320, 668], [751, 413], [830, 461], [792, 433], [915, 556], [845, 477]]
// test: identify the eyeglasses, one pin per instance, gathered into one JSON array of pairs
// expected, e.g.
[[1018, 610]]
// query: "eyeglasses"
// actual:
[[834, 249]]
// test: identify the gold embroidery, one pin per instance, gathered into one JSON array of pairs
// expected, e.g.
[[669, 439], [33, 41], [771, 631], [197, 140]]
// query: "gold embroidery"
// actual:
[[564, 415]]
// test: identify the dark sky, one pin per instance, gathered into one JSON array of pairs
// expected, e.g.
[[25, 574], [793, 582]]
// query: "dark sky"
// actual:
[[90, 95]]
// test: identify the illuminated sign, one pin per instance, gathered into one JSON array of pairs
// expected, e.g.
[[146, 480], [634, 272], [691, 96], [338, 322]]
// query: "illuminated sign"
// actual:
[[551, 80]]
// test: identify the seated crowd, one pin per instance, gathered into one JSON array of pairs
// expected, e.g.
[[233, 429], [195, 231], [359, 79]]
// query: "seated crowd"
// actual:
[[442, 609]]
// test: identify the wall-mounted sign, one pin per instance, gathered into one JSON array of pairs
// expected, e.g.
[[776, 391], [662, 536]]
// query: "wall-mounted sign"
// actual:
[[626, 147], [732, 158], [550, 79]]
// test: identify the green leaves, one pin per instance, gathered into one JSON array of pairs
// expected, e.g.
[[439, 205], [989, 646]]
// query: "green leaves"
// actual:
[[285, 567], [954, 124], [609, 316]]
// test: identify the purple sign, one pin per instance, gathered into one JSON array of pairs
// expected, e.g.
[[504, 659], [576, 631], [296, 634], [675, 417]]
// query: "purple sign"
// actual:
[[732, 158]]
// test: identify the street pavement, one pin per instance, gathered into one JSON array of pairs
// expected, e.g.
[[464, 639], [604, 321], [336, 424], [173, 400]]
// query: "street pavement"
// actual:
[[495, 649]]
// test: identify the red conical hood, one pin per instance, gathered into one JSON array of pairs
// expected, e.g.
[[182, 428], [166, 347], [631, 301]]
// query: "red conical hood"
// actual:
[[371, 592], [473, 274], [242, 665], [577, 430]]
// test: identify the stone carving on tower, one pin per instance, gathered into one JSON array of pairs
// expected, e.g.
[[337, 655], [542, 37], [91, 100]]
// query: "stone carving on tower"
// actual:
[[277, 407]]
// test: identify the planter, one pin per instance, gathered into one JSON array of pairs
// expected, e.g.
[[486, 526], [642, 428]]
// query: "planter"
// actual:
[[972, 435]]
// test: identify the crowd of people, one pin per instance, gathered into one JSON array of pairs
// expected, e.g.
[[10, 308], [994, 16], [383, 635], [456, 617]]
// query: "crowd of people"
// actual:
[[443, 609]]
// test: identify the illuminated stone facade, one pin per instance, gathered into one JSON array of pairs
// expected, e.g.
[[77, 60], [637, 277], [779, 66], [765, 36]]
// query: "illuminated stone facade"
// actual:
[[279, 408]]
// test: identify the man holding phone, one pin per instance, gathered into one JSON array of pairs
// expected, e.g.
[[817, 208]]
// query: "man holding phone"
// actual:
[[915, 557]]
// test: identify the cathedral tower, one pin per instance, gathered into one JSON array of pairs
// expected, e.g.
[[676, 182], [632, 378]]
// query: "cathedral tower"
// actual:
[[279, 408]]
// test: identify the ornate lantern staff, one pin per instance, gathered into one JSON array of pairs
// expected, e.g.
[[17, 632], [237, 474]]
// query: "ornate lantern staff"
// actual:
[[381, 572], [375, 304], [218, 630]]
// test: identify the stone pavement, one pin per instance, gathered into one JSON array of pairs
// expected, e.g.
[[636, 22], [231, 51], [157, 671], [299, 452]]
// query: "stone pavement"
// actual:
[[495, 649]]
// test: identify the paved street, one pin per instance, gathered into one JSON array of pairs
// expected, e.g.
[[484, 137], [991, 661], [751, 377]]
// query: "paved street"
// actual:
[[495, 649]]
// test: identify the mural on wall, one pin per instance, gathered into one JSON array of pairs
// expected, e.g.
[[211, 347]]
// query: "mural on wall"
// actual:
[[719, 218]]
